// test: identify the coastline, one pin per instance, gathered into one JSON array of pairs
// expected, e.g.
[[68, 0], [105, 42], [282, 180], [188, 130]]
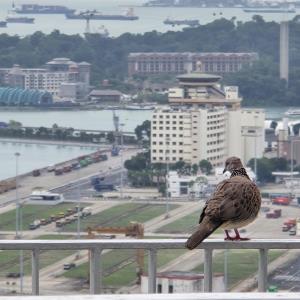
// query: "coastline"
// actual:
[[54, 142]]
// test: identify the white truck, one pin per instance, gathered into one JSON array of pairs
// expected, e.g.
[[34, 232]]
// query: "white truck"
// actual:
[[87, 211]]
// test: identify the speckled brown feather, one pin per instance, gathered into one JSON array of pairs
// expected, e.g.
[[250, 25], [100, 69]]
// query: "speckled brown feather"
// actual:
[[234, 204]]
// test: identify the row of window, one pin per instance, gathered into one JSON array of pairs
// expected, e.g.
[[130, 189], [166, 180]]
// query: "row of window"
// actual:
[[166, 151], [167, 116], [167, 143], [215, 116], [166, 135], [167, 158], [167, 122], [215, 142], [215, 150], [214, 135], [167, 128], [215, 127]]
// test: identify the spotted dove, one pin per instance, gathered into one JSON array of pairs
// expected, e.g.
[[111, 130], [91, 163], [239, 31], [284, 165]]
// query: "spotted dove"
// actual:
[[234, 204]]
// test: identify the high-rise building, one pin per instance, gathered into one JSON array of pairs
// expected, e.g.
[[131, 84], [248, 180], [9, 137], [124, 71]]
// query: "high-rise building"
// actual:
[[204, 121]]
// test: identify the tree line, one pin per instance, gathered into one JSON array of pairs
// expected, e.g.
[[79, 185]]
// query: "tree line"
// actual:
[[259, 84]]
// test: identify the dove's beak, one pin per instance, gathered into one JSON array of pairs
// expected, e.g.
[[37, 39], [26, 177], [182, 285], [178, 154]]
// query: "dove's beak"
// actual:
[[224, 171]]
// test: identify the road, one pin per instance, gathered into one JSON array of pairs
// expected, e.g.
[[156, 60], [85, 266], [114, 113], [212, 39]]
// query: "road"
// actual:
[[49, 181]]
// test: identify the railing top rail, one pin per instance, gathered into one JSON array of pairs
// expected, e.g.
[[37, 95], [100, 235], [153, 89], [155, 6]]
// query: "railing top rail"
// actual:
[[195, 296], [146, 244]]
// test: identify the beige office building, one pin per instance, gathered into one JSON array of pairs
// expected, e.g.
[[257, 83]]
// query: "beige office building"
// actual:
[[204, 121]]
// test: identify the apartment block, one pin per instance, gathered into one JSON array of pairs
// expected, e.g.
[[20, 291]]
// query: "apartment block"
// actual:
[[53, 78], [147, 63]]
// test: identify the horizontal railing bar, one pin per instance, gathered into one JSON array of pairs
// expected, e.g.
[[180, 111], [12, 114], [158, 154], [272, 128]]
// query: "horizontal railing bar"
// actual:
[[194, 296], [146, 244]]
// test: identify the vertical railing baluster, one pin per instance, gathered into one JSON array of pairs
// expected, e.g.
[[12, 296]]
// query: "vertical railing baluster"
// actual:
[[208, 274], [35, 261], [95, 271], [263, 270], [152, 271]]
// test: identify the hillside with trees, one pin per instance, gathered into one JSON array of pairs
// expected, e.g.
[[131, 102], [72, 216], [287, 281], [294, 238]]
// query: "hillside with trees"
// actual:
[[259, 84]]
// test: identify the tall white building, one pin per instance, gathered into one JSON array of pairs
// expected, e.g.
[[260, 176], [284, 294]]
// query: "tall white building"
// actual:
[[205, 122]]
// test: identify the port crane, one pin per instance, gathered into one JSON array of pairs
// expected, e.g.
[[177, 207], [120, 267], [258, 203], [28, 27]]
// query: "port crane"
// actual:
[[88, 15], [134, 229]]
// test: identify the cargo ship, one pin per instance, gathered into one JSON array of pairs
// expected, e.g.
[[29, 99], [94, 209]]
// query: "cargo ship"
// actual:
[[43, 9], [16, 19], [3, 24], [95, 15], [192, 23], [269, 10]]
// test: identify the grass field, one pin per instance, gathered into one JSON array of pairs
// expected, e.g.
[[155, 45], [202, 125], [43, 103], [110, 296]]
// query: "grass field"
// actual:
[[122, 215], [9, 259], [31, 213], [127, 274], [183, 225], [241, 264]]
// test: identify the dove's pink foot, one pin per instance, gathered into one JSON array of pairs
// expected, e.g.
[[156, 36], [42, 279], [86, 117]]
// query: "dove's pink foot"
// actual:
[[236, 238]]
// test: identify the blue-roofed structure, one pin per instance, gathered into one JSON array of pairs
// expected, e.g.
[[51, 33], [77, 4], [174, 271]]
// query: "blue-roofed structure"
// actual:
[[24, 97]]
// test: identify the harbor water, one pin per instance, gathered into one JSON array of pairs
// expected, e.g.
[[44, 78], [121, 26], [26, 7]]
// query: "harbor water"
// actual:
[[150, 18]]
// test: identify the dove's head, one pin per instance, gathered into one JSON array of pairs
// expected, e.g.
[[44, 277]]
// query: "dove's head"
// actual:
[[232, 163]]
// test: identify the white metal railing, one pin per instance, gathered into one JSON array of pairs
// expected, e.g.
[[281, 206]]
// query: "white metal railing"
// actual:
[[152, 245]]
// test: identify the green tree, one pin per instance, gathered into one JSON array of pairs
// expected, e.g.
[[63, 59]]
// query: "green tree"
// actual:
[[205, 166]]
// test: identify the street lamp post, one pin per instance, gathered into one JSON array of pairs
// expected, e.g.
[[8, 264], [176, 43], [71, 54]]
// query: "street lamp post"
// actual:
[[78, 210], [255, 146], [19, 220], [292, 163], [122, 162], [167, 157]]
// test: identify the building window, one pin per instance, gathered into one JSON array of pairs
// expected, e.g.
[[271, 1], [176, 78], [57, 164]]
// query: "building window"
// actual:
[[161, 151], [153, 158], [154, 151], [170, 289], [180, 151], [174, 158], [153, 143], [154, 127], [154, 134], [154, 122], [180, 143], [161, 135], [174, 135], [174, 143], [180, 128], [174, 128], [161, 143], [174, 151]]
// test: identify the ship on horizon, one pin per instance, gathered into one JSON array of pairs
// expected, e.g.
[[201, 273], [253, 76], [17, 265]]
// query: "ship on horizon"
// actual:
[[42, 9], [3, 24], [269, 9], [192, 23], [95, 15], [14, 18]]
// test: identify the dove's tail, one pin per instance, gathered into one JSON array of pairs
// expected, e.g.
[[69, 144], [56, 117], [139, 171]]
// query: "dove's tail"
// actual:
[[204, 229]]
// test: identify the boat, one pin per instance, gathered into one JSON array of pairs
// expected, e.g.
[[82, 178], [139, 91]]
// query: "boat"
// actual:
[[3, 24], [192, 23], [139, 107], [269, 10], [17, 19], [95, 15], [39, 195], [292, 112], [43, 9]]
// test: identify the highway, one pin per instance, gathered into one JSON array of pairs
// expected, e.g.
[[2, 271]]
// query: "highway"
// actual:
[[49, 181]]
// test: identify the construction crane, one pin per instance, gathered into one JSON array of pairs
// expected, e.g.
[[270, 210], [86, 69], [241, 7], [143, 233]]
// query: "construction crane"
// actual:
[[116, 121], [88, 15], [134, 229]]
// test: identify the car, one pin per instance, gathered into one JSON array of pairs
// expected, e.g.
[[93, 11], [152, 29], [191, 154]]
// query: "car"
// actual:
[[13, 275], [292, 231], [69, 266], [285, 228]]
